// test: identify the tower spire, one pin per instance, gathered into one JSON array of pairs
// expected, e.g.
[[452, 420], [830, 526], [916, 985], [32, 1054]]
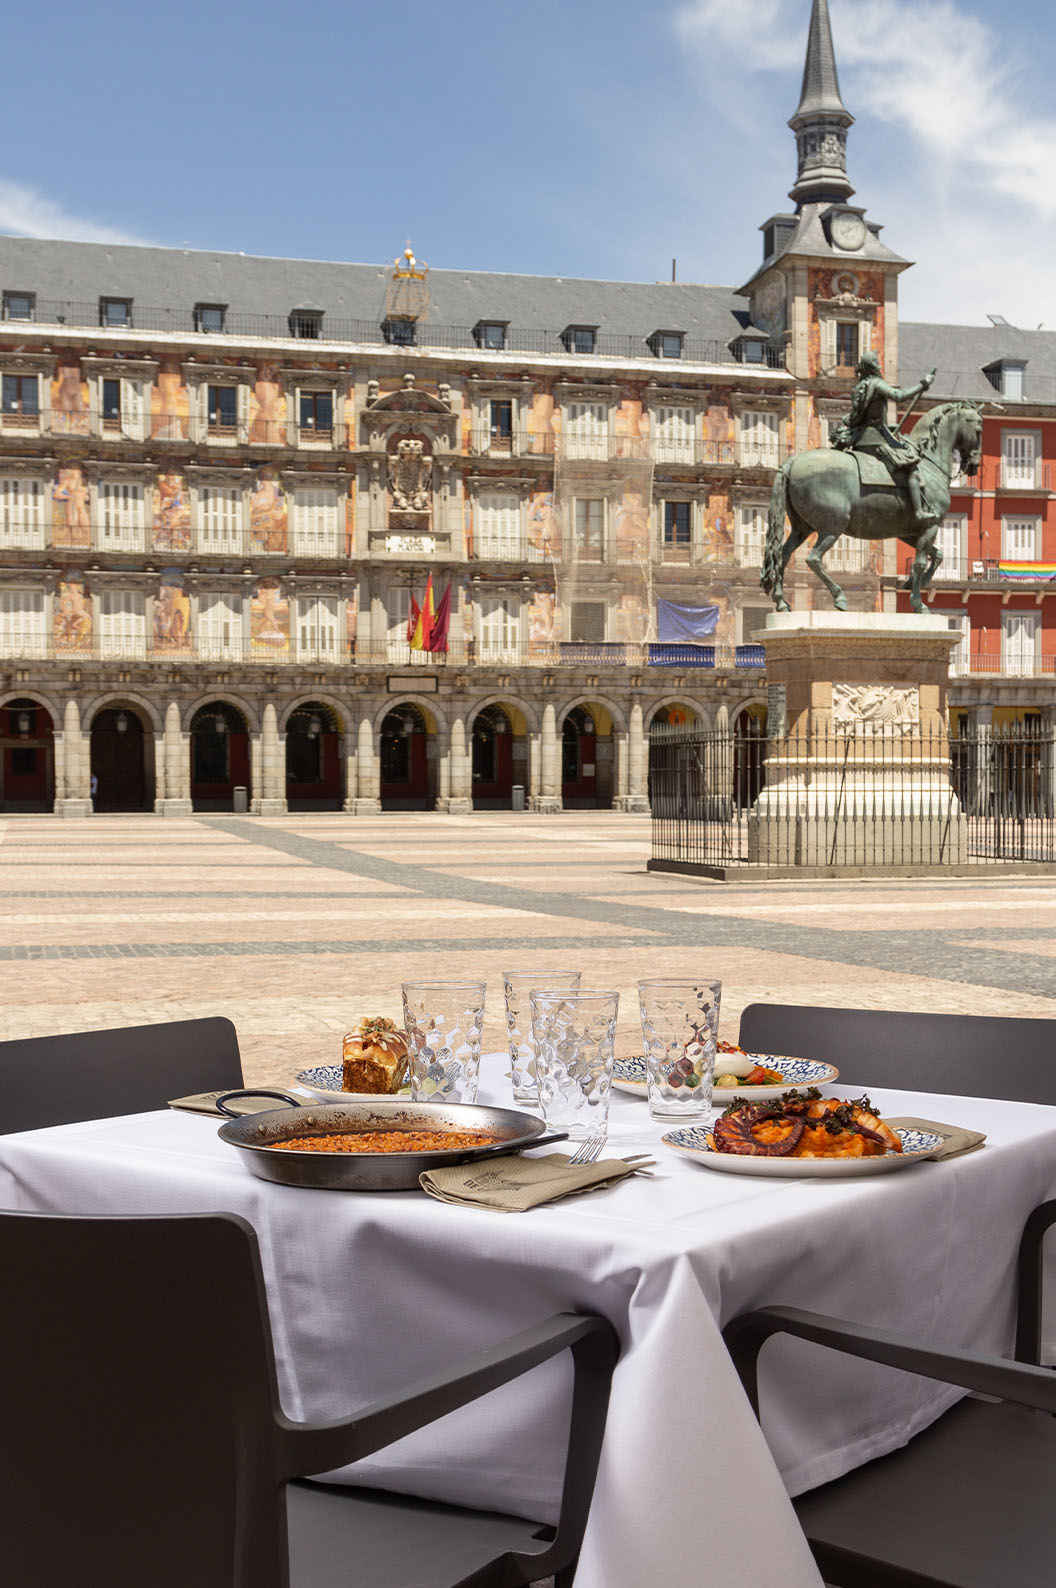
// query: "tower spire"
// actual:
[[821, 120]]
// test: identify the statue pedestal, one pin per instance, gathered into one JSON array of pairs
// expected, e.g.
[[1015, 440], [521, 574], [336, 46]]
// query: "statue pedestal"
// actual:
[[857, 771]]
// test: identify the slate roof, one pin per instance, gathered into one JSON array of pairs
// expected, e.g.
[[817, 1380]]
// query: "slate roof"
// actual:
[[158, 278], [962, 352], [821, 83]]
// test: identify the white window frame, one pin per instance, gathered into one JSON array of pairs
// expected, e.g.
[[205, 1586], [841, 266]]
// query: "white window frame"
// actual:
[[759, 438], [23, 512], [30, 424], [674, 432], [497, 628], [1019, 459], [961, 655], [1020, 636], [219, 628], [590, 513], [23, 623], [499, 527], [850, 555], [398, 608], [749, 534], [318, 628], [951, 538], [220, 520], [585, 428], [120, 516], [122, 624], [315, 440], [1020, 537], [315, 523]]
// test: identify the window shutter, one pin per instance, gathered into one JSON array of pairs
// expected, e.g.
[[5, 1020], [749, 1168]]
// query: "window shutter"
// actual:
[[242, 391], [751, 533], [120, 507], [828, 344], [1018, 637], [221, 518], [759, 438], [1018, 458], [315, 523], [122, 620], [1019, 539], [500, 525], [497, 623], [961, 655], [133, 409], [950, 540], [22, 622], [220, 627]]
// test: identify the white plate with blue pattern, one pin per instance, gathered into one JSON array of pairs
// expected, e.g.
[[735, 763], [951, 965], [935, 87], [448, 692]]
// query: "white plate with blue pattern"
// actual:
[[628, 1075], [692, 1140], [324, 1082]]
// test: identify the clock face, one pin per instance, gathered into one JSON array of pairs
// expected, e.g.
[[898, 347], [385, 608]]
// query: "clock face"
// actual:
[[847, 230]]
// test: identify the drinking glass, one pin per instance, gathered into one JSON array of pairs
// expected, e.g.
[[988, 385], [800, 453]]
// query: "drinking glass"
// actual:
[[573, 1034], [444, 1021], [517, 985], [680, 1023]]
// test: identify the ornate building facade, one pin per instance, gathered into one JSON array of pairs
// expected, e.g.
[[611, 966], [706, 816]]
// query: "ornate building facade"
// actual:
[[228, 485]]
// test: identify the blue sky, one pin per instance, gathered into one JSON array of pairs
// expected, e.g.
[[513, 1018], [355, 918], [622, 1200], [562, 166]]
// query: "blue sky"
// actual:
[[574, 137]]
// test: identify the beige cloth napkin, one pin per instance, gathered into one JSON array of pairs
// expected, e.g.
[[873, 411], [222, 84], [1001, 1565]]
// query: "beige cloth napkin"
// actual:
[[512, 1184], [955, 1139], [205, 1103]]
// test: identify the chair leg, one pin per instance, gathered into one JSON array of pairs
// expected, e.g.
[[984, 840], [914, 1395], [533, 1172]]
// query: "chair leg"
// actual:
[[1028, 1313]]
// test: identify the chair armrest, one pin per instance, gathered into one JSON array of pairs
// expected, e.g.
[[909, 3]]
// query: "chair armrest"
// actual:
[[987, 1375], [1028, 1285], [307, 1448]]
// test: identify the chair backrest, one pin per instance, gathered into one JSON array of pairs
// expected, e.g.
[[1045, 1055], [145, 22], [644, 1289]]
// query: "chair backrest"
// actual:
[[96, 1074], [138, 1448], [963, 1055]]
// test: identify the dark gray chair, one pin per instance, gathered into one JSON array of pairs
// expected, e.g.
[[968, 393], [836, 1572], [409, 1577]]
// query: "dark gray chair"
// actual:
[[963, 1055], [144, 1447], [98, 1074], [966, 1504]]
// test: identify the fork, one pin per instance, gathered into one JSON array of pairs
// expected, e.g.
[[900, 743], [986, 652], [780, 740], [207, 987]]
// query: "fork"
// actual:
[[590, 1152]]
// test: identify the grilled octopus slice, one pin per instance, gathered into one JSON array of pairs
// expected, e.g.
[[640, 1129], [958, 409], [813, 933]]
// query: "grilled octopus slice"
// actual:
[[758, 1132]]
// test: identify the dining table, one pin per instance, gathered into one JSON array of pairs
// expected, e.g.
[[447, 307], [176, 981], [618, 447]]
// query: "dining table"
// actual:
[[367, 1291]]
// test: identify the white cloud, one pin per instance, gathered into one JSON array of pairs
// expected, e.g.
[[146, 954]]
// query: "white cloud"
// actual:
[[26, 213], [984, 172]]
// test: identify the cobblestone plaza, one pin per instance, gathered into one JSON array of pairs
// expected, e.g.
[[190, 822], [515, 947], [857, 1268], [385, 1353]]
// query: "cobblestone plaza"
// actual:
[[295, 927]]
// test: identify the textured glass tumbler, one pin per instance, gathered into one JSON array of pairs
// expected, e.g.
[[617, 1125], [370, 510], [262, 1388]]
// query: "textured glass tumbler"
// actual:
[[444, 1021], [517, 984], [680, 1022], [574, 1035]]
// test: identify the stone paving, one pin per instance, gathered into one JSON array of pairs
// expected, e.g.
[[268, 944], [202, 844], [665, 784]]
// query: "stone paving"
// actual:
[[295, 927]]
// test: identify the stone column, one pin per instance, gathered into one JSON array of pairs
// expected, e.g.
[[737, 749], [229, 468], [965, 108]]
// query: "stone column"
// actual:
[[172, 761], [535, 762], [348, 745], [368, 802], [272, 800], [548, 799], [458, 799], [255, 772], [632, 766], [73, 795]]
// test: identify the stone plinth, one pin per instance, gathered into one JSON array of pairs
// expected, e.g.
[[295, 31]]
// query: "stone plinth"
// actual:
[[858, 763]]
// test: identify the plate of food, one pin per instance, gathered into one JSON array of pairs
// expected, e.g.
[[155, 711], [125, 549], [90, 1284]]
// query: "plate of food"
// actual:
[[373, 1064], [758, 1075], [803, 1134]]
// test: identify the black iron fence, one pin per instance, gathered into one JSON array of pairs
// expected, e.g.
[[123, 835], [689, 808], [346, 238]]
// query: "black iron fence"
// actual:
[[877, 798]]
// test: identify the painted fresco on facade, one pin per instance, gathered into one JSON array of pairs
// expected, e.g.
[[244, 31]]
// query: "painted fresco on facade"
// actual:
[[543, 618], [70, 401], [828, 285], [630, 618], [170, 403], [269, 619], [71, 522], [350, 519], [718, 528], [267, 407], [631, 525], [543, 422], [267, 514], [718, 428], [72, 617], [170, 528], [172, 612], [631, 428], [352, 622], [544, 524]]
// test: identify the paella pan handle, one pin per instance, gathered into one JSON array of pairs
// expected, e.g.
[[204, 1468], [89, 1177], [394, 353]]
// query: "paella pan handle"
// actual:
[[499, 1147], [253, 1091]]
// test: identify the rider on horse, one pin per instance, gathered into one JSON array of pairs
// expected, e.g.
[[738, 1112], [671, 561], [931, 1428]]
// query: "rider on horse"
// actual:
[[866, 429]]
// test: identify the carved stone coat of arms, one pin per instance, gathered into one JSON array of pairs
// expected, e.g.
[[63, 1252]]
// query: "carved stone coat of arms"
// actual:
[[410, 477]]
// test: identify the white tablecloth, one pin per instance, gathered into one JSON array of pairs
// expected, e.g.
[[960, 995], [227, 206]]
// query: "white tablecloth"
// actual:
[[368, 1291]]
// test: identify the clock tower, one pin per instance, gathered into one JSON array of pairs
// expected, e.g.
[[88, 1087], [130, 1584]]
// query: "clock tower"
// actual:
[[827, 289]]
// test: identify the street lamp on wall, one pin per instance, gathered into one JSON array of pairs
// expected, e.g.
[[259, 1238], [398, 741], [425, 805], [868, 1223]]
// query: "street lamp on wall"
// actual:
[[24, 723], [220, 723], [409, 725], [121, 722], [315, 725]]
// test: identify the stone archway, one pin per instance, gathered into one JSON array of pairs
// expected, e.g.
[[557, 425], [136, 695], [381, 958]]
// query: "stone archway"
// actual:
[[407, 776], [588, 757], [27, 761], [491, 754], [122, 759], [314, 742], [220, 756]]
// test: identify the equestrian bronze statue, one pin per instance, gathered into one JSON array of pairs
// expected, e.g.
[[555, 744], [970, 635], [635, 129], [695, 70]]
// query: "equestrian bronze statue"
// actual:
[[873, 483]]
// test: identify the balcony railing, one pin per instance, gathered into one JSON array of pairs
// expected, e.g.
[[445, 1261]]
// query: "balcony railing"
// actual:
[[1013, 476], [168, 427], [54, 314], [163, 539], [991, 570], [330, 652]]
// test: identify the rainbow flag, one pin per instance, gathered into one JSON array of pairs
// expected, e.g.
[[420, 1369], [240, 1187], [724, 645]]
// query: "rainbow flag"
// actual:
[[1026, 570]]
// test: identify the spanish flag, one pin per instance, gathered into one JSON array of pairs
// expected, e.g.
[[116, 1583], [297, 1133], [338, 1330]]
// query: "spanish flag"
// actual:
[[421, 639]]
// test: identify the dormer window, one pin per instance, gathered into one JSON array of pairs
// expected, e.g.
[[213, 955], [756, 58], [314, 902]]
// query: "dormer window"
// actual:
[[491, 334], [20, 305], [209, 317], [580, 338], [399, 333], [750, 349], [115, 313], [306, 322], [667, 344], [1007, 376]]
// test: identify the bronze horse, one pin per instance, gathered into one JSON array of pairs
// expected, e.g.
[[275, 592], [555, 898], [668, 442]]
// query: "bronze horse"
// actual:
[[821, 493]]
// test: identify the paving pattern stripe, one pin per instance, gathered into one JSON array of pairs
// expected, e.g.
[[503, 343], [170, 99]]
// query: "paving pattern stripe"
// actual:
[[907, 952], [343, 946]]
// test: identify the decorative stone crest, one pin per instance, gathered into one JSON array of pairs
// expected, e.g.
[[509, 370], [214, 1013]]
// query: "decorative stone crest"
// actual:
[[410, 472], [880, 708]]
